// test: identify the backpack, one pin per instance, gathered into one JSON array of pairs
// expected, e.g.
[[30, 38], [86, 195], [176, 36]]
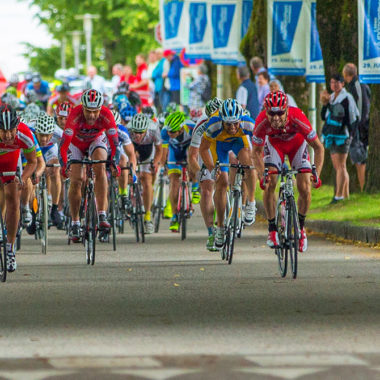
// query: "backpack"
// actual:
[[206, 94]]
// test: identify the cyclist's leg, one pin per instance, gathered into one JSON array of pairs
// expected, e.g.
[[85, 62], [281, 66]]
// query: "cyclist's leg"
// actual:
[[123, 178], [147, 187], [76, 181], [12, 201]]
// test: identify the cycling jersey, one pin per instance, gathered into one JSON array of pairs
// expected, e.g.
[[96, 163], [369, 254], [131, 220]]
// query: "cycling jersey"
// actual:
[[50, 150], [199, 130], [81, 135], [54, 101], [145, 148]]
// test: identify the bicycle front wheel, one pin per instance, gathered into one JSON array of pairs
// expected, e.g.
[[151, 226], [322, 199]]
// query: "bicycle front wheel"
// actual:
[[90, 228], [157, 207], [3, 252], [182, 215], [113, 208], [293, 235], [234, 225], [44, 221], [281, 251], [139, 214]]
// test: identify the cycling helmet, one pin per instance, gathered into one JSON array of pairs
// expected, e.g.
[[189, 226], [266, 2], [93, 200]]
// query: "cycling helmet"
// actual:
[[8, 117], [276, 101], [31, 112], [64, 87], [11, 100], [64, 109], [161, 118], [212, 106], [134, 98], [139, 123], [175, 121], [127, 112], [45, 124], [246, 113], [14, 78], [149, 111], [92, 99], [122, 88], [195, 114], [120, 101], [172, 107], [117, 116], [230, 111], [11, 90], [31, 96]]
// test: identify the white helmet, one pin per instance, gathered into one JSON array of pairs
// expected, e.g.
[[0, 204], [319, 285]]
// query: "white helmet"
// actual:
[[116, 115], [31, 112], [139, 123], [92, 99], [45, 124]]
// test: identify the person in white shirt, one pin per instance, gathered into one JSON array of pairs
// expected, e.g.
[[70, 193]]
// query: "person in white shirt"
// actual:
[[94, 81], [117, 72]]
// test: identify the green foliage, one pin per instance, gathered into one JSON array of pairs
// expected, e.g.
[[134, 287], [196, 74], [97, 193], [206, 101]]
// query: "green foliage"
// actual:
[[124, 28]]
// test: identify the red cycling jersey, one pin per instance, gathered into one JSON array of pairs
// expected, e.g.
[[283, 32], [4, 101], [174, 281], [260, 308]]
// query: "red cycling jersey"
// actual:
[[55, 100], [81, 134], [297, 128]]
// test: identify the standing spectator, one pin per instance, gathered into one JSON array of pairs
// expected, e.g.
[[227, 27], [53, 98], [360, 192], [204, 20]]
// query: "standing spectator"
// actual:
[[141, 86], [246, 93], [158, 80], [263, 84], [198, 88], [152, 63], [41, 89], [341, 118], [94, 81], [173, 75], [274, 87], [362, 95], [128, 76], [165, 93], [117, 72]]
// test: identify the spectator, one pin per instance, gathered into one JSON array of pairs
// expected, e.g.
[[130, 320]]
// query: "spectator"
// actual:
[[362, 94], [263, 84], [246, 93], [197, 88], [274, 86], [117, 72], [341, 118], [94, 81], [128, 76], [158, 80], [165, 94], [141, 86], [173, 75], [41, 89], [152, 59]]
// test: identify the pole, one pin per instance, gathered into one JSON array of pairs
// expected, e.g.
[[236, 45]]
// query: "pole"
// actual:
[[63, 52], [76, 46], [219, 81], [87, 27], [312, 112]]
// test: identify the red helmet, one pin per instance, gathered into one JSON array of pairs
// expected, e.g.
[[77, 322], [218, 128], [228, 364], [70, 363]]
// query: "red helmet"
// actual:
[[276, 101], [64, 109]]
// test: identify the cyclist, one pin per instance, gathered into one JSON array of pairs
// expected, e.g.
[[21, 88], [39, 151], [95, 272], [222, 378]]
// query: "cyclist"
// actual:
[[197, 168], [14, 136], [62, 113], [63, 95], [126, 113], [284, 131], [146, 139], [229, 131], [84, 134], [176, 138]]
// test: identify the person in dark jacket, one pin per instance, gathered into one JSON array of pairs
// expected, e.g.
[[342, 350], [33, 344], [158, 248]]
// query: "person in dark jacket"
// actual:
[[341, 117], [362, 95], [246, 93], [173, 75]]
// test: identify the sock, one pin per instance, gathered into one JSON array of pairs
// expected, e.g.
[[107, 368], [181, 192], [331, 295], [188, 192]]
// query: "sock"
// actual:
[[174, 217], [210, 231], [123, 191], [26, 207], [195, 186], [102, 213], [301, 219], [147, 216], [10, 248], [339, 198], [75, 222], [272, 225], [252, 203]]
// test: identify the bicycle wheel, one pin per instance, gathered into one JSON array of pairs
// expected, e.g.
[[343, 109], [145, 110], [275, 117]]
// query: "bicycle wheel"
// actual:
[[293, 235], [281, 251], [113, 206], [140, 214], [90, 227], [3, 251], [44, 221], [157, 208], [233, 225], [183, 211]]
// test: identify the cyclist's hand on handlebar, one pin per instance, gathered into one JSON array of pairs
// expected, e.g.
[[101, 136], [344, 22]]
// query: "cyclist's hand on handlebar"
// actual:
[[263, 179], [215, 173], [316, 182], [35, 179], [65, 172], [115, 170]]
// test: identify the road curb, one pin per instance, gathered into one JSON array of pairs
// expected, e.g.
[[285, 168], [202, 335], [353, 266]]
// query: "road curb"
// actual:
[[345, 230]]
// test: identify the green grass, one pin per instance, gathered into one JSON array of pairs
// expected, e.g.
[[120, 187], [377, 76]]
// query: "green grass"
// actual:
[[360, 209]]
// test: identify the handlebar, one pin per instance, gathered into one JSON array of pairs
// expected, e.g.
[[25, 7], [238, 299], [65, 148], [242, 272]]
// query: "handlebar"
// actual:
[[182, 163]]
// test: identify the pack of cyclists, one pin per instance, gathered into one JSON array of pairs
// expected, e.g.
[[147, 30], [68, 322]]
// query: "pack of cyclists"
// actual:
[[123, 135]]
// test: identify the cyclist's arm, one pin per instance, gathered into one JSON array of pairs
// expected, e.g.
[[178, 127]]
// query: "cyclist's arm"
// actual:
[[50, 110], [205, 153], [157, 155], [130, 152], [319, 154], [164, 156], [31, 164], [41, 166], [64, 145], [258, 163], [193, 160]]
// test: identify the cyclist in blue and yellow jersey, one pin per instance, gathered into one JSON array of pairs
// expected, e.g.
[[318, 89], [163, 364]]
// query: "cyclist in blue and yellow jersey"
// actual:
[[229, 131], [176, 138]]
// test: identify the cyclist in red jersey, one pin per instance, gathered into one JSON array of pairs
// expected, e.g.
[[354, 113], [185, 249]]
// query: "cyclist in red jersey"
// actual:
[[62, 95], [14, 136], [285, 131], [87, 130]]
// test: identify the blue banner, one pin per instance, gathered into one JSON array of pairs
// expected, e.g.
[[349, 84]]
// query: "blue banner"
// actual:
[[172, 13], [198, 17], [369, 40], [222, 16], [246, 16]]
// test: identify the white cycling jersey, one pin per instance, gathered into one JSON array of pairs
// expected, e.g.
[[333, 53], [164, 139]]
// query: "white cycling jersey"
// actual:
[[198, 131]]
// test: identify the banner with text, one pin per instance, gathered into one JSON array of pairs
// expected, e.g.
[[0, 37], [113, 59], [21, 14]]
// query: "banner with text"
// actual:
[[315, 71], [287, 27], [369, 40]]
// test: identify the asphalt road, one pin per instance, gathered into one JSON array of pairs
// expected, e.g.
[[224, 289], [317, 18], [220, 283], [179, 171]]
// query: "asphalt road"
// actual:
[[170, 309]]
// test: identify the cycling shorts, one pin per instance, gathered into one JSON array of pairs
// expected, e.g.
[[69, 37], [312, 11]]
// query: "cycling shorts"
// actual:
[[76, 153], [176, 155], [296, 150], [50, 152], [9, 163], [220, 149]]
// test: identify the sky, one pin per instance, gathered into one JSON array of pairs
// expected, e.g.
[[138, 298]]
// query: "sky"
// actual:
[[17, 25]]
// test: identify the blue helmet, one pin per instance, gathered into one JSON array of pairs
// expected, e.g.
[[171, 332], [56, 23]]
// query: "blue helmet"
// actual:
[[127, 112], [120, 101], [230, 111]]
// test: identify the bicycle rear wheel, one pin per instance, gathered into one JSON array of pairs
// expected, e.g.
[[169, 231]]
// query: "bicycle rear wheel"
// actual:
[[281, 251], [157, 208], [90, 226], [140, 214], [182, 214], [293, 235], [233, 225], [3, 251], [113, 208], [44, 221]]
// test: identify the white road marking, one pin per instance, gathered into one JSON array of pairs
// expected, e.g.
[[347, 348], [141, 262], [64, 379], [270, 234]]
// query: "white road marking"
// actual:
[[157, 374], [283, 373], [32, 375]]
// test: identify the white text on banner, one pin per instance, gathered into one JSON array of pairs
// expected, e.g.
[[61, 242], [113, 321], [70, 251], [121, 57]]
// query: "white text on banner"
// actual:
[[314, 61], [369, 40], [287, 26]]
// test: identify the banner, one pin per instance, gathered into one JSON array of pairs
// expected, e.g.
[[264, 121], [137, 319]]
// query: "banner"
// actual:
[[226, 20], [287, 27], [200, 30], [314, 61], [174, 15], [369, 40]]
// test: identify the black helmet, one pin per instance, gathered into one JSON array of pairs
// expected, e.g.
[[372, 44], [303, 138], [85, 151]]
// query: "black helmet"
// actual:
[[8, 117], [134, 98]]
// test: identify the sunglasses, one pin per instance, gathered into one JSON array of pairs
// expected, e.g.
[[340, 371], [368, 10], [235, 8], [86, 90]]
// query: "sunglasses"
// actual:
[[230, 124], [274, 113]]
